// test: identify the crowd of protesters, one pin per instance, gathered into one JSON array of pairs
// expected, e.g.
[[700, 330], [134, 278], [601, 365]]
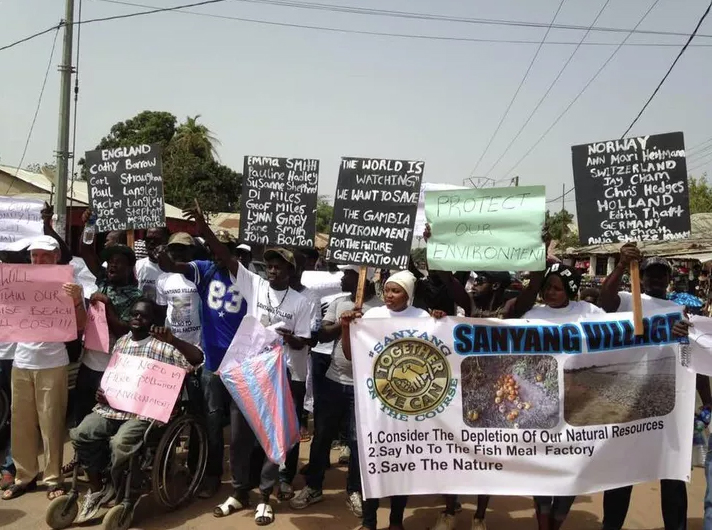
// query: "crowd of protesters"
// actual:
[[183, 303]]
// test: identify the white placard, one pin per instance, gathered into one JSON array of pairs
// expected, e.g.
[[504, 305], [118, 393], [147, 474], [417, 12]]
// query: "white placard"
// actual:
[[20, 222]]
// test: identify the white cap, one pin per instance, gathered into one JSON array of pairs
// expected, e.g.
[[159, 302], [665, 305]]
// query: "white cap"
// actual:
[[244, 247], [44, 243], [357, 269]]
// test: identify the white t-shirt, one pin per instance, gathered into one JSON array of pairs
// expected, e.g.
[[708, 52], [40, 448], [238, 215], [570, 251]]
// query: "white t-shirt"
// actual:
[[147, 274], [40, 355], [181, 298], [278, 309], [7, 351], [327, 348], [648, 302], [384, 312], [573, 311], [341, 369]]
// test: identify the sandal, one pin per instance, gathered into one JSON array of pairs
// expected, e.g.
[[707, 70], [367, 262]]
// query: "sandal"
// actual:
[[18, 490], [55, 491], [230, 506], [8, 479], [264, 514]]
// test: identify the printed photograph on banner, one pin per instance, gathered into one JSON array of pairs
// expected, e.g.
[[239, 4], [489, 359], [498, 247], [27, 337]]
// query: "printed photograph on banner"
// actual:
[[608, 388], [510, 392], [412, 375]]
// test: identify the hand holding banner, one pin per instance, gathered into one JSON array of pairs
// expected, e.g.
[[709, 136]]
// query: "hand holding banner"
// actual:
[[96, 334], [492, 229], [142, 386]]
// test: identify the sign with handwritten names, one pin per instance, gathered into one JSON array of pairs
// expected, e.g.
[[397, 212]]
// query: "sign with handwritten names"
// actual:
[[142, 386], [20, 222], [33, 304], [96, 334], [374, 212], [126, 187], [279, 198], [632, 189], [489, 229]]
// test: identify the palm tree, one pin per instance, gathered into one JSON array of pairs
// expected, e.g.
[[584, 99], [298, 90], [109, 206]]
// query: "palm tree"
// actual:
[[196, 138]]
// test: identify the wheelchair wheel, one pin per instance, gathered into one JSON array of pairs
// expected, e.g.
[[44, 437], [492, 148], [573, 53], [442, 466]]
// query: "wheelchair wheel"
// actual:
[[118, 518], [62, 512], [180, 461]]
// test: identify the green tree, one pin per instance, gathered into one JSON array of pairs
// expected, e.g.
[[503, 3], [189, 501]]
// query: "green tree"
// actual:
[[700, 194], [196, 138], [324, 214], [558, 228]]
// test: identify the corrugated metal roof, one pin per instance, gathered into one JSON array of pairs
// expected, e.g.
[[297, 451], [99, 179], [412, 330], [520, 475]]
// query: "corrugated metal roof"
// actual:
[[76, 190], [700, 241]]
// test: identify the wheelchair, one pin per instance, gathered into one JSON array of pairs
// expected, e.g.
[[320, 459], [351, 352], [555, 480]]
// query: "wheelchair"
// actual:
[[170, 465]]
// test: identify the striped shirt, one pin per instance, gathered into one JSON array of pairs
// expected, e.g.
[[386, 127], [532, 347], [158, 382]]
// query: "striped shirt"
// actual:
[[150, 348]]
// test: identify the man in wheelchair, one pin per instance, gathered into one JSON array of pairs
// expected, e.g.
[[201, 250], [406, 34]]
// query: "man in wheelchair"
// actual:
[[107, 439]]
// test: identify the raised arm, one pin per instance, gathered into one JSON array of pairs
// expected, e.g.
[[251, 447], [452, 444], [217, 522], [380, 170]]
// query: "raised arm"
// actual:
[[219, 250], [77, 294], [166, 263], [608, 298], [527, 298], [456, 290], [346, 319], [88, 253], [66, 252], [191, 352]]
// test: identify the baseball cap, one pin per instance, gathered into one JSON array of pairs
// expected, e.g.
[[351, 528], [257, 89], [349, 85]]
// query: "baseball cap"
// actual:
[[44, 243], [655, 260], [370, 271], [119, 249], [181, 238], [281, 253], [244, 248]]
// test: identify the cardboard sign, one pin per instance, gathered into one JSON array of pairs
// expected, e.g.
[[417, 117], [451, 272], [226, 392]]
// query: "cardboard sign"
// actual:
[[33, 305], [279, 197], [126, 187], [420, 219], [20, 222], [96, 334], [633, 189], [489, 229], [374, 212], [142, 386]]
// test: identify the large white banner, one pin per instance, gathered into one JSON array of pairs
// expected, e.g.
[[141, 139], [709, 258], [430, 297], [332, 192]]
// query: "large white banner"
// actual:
[[519, 407]]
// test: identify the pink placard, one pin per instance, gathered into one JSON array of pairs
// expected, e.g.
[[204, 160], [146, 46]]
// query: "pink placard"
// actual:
[[96, 334], [142, 386], [33, 305]]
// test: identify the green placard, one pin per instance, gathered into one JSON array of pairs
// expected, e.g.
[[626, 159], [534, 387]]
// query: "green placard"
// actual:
[[493, 229]]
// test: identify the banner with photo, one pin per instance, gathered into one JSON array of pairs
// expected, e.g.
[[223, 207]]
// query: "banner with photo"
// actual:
[[520, 407]]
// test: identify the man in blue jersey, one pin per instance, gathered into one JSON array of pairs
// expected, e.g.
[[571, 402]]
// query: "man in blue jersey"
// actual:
[[221, 311]]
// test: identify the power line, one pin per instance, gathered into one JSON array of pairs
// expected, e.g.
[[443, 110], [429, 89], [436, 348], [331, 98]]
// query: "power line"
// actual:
[[700, 153], [697, 146], [34, 35], [151, 12], [701, 163], [37, 110], [548, 91], [519, 88], [446, 18], [581, 92], [692, 36], [562, 195]]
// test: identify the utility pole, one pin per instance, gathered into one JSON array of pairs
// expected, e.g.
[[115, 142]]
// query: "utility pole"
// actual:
[[65, 100], [563, 207], [515, 181]]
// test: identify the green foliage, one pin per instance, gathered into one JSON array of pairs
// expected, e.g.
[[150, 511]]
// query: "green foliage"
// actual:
[[557, 226], [324, 214], [190, 167], [700, 194]]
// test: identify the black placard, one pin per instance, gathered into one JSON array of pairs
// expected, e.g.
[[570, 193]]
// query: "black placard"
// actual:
[[632, 189], [279, 197], [126, 187], [374, 212]]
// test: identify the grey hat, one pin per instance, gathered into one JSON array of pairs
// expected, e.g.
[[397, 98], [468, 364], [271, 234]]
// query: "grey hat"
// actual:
[[655, 260]]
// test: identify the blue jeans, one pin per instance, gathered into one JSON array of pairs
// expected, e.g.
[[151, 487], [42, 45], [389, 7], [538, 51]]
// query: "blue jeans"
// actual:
[[337, 403]]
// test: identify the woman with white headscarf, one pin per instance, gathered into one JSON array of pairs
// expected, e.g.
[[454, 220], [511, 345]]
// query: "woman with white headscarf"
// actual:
[[398, 296]]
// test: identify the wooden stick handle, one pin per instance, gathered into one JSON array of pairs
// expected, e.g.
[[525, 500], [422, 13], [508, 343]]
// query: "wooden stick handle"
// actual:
[[637, 302], [130, 238], [361, 289]]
